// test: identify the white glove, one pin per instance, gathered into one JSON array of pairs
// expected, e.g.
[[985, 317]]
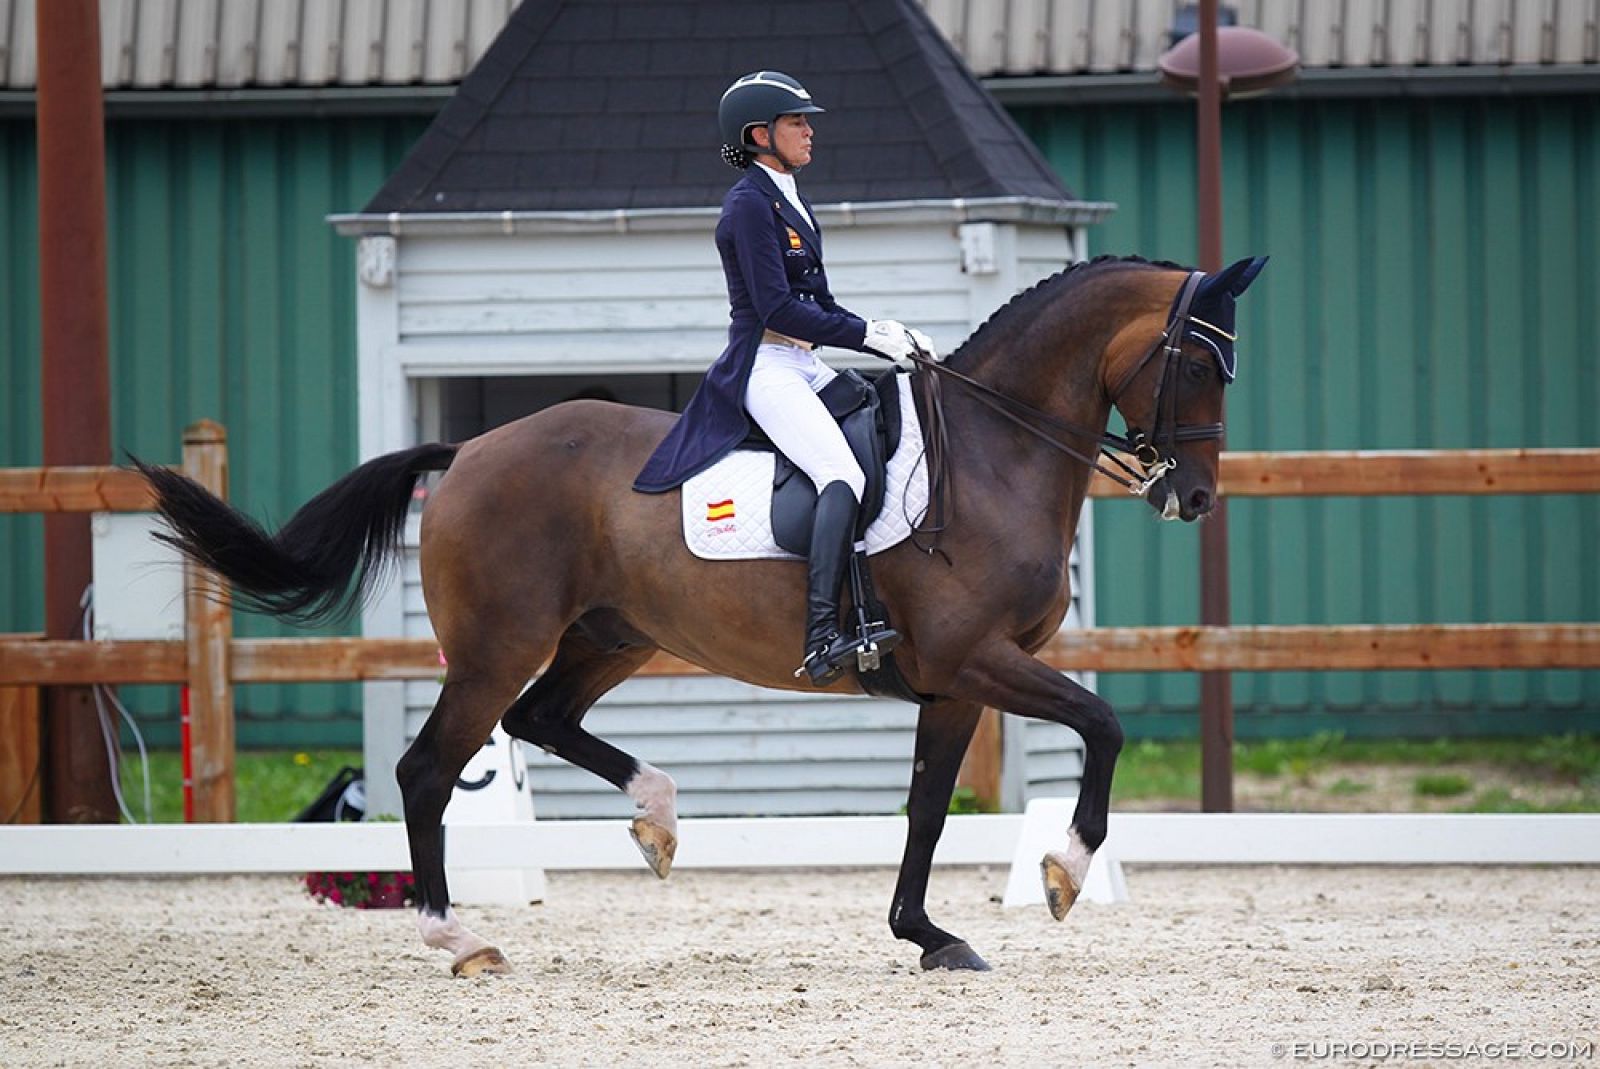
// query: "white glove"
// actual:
[[896, 342], [925, 343]]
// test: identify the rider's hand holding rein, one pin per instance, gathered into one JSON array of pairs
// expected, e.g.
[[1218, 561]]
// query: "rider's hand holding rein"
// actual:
[[897, 342]]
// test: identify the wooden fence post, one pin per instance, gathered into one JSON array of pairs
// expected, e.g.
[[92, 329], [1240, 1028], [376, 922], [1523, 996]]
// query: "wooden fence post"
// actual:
[[208, 632], [21, 755], [983, 766]]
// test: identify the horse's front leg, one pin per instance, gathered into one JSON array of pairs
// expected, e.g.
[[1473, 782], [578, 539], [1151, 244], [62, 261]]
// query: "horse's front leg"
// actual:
[[943, 730], [1006, 677]]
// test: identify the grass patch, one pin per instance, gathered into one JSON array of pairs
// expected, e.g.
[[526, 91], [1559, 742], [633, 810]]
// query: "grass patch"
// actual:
[[1170, 770], [1150, 769], [1500, 800], [1297, 757], [1441, 785], [269, 785]]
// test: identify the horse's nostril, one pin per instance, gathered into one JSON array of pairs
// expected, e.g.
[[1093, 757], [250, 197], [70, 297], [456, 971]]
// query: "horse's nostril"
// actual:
[[1200, 501]]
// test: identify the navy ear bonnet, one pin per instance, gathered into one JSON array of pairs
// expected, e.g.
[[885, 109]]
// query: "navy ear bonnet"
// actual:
[[1211, 312]]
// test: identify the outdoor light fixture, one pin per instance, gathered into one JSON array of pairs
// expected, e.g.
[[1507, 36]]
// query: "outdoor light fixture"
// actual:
[[1249, 63], [1213, 64]]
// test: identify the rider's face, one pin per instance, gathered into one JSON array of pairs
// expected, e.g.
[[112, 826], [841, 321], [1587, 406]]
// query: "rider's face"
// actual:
[[791, 139]]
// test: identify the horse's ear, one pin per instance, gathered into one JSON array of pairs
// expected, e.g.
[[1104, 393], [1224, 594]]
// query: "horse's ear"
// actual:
[[1235, 278]]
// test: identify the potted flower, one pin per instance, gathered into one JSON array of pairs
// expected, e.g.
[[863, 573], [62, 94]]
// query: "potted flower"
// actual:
[[363, 890]]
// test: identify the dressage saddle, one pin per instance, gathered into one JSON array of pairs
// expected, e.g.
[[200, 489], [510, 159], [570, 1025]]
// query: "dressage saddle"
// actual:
[[868, 412]]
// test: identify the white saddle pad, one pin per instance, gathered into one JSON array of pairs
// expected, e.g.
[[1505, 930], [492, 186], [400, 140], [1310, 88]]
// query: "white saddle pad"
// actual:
[[727, 509]]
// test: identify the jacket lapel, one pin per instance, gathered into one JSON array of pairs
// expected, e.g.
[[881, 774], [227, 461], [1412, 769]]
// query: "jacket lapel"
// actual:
[[780, 203]]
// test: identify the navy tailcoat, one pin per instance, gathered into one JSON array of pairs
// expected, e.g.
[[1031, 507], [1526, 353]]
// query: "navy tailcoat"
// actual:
[[773, 260]]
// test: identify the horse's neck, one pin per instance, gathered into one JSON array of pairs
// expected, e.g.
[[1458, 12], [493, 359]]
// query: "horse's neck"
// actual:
[[1051, 362], [1007, 477], [1052, 372]]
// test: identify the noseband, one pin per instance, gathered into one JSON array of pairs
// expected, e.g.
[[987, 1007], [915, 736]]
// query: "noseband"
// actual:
[[1156, 452]]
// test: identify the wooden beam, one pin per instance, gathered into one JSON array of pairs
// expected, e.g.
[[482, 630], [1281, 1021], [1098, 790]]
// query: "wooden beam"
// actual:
[[1109, 649], [208, 641], [1332, 474], [1346, 647], [1400, 472], [24, 662], [285, 660], [983, 765], [21, 756], [84, 489]]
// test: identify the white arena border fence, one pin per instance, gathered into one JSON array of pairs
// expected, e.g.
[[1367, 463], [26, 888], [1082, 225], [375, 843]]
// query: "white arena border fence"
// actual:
[[814, 842]]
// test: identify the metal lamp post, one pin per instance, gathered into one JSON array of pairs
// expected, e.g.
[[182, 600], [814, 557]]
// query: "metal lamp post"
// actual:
[[1233, 61]]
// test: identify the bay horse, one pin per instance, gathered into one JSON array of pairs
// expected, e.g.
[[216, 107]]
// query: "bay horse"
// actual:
[[534, 550]]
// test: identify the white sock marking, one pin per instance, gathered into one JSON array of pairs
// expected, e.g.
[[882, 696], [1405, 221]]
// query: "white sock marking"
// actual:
[[1077, 858], [448, 933], [656, 795]]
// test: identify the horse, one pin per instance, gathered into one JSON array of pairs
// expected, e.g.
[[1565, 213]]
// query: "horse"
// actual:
[[535, 552]]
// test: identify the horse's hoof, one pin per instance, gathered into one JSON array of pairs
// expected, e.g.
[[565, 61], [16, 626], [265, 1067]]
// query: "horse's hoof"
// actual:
[[954, 956], [485, 962], [1060, 890], [657, 844]]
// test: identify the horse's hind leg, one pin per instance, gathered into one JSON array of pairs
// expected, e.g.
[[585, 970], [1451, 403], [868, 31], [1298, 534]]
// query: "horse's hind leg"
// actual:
[[595, 655], [943, 731], [461, 719]]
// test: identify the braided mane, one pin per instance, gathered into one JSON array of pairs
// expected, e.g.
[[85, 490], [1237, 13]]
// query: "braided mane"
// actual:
[[1046, 290]]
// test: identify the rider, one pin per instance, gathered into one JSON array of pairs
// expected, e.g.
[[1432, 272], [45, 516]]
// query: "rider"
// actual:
[[771, 248]]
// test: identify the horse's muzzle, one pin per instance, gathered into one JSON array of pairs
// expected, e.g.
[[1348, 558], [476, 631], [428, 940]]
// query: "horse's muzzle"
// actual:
[[1198, 503], [1187, 505]]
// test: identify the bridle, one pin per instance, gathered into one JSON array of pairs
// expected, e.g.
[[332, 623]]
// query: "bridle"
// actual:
[[1155, 453]]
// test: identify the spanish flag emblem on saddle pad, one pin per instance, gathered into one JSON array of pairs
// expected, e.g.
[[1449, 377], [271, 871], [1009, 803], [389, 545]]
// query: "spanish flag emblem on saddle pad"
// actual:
[[743, 479]]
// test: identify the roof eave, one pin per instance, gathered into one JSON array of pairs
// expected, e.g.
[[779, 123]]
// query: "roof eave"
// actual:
[[1032, 210]]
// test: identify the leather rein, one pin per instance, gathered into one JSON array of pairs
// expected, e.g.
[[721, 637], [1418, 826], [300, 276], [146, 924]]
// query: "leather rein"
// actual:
[[1155, 453]]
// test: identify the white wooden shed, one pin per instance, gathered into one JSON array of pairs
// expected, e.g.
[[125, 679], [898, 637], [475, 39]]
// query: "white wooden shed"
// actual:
[[551, 235]]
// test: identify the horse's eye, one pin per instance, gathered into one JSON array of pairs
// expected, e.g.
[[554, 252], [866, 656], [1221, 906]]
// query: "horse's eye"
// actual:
[[1198, 370]]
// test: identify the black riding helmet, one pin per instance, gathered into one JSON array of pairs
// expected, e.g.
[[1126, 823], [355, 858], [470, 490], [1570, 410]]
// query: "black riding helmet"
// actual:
[[757, 99]]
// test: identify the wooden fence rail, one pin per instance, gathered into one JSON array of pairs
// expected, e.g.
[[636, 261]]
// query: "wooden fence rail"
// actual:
[[210, 660], [1354, 647], [1334, 474]]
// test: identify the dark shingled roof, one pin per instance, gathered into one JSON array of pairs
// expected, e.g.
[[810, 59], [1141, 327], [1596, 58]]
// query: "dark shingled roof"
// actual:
[[608, 104]]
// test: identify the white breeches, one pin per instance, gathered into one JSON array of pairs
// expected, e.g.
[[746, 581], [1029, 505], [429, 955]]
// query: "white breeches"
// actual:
[[782, 398]]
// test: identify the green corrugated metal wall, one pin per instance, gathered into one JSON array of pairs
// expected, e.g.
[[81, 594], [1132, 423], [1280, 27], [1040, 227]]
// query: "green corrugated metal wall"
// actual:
[[1432, 285], [231, 298]]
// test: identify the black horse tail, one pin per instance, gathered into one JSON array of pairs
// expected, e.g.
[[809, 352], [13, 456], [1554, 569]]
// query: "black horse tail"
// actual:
[[304, 572]]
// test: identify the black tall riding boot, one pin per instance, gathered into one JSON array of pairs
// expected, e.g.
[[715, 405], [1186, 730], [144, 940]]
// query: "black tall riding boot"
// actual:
[[832, 541]]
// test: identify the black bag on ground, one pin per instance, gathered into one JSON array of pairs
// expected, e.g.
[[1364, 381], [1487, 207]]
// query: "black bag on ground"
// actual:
[[344, 798]]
